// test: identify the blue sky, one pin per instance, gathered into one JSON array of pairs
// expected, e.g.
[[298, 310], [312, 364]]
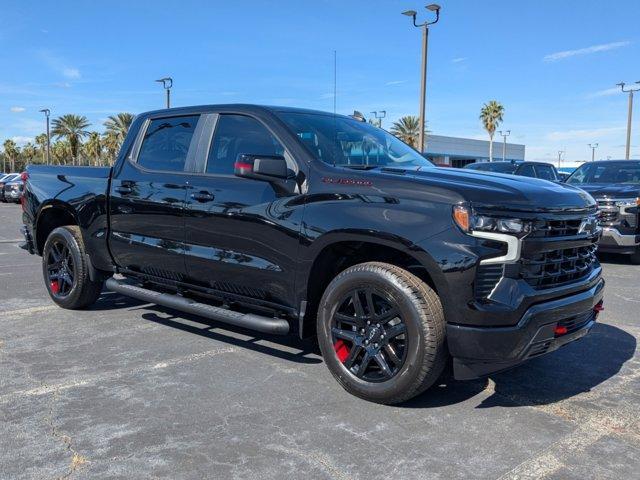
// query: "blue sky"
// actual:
[[553, 64]]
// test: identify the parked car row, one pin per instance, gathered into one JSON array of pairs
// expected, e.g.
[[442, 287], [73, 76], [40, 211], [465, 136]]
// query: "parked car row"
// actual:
[[11, 186]]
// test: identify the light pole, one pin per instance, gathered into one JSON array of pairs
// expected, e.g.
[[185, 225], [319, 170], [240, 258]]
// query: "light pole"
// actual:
[[167, 83], [630, 90], [379, 116], [504, 143], [560, 153], [423, 82], [593, 147], [47, 112]]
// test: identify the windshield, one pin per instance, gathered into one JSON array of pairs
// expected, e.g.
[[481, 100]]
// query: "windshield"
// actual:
[[618, 172], [347, 142]]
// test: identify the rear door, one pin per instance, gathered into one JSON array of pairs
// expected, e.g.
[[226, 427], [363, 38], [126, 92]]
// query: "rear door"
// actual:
[[242, 234], [147, 200]]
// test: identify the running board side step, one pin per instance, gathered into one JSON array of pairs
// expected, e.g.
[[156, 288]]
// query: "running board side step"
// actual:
[[274, 326]]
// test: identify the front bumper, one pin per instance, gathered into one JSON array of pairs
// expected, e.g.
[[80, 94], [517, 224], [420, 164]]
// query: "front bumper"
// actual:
[[614, 241], [480, 351]]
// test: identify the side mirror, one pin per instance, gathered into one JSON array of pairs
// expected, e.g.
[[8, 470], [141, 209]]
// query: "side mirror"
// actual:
[[261, 167]]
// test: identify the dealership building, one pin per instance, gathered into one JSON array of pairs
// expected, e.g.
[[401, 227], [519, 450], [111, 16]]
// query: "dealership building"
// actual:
[[458, 152]]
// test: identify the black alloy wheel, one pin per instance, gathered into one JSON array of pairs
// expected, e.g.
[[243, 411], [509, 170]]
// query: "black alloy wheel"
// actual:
[[369, 335], [60, 269]]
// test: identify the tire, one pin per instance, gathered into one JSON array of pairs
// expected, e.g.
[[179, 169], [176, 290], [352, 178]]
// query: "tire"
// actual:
[[414, 358], [635, 257], [65, 270]]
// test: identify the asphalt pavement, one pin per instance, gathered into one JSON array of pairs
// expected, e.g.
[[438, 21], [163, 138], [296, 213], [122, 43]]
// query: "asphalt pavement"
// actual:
[[131, 390]]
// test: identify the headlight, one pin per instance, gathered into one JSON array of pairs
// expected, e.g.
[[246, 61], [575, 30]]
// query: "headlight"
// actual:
[[469, 222]]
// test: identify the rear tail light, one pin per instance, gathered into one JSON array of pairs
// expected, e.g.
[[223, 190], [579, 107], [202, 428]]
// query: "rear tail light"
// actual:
[[560, 330], [24, 176]]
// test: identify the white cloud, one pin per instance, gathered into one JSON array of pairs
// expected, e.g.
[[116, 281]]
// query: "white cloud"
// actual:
[[18, 109], [586, 134], [396, 82], [71, 72], [552, 57], [458, 60], [22, 140], [605, 93]]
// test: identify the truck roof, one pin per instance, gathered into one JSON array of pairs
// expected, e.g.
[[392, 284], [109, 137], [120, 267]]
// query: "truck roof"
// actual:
[[247, 107]]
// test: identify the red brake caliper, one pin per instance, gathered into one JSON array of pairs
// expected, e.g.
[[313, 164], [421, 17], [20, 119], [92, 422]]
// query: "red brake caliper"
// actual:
[[55, 286], [342, 350]]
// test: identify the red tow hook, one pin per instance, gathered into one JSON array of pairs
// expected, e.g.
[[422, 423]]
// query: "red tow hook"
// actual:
[[598, 307], [342, 350]]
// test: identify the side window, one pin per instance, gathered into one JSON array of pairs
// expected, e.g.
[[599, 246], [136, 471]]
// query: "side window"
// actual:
[[236, 135], [527, 171], [166, 143], [546, 172]]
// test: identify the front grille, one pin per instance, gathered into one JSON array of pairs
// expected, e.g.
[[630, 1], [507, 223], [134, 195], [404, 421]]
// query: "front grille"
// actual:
[[487, 277], [607, 211], [555, 228], [558, 267]]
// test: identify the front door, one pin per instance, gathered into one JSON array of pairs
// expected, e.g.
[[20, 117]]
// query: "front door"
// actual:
[[147, 202], [242, 234]]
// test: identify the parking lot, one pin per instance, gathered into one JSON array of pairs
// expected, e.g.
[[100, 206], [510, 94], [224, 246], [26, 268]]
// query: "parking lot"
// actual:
[[130, 390]]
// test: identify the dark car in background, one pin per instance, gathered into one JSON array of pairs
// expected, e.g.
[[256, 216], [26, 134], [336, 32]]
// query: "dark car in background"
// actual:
[[542, 170], [615, 184], [3, 181]]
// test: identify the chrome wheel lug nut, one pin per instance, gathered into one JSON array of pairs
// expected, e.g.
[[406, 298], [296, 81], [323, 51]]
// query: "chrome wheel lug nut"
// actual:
[[366, 342], [378, 325], [375, 345], [368, 322]]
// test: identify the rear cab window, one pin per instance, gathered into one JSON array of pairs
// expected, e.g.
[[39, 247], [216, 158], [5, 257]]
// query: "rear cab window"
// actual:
[[166, 143]]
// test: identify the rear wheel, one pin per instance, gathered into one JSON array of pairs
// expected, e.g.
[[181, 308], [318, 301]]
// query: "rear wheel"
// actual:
[[381, 332], [65, 269]]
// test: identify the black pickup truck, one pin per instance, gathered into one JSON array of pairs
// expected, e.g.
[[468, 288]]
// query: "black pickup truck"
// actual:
[[615, 184], [284, 220]]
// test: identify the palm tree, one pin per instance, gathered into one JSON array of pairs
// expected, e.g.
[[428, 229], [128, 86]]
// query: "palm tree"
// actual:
[[73, 129], [93, 148], [41, 142], [11, 152], [29, 153], [119, 125], [111, 145], [491, 115], [407, 129], [60, 152]]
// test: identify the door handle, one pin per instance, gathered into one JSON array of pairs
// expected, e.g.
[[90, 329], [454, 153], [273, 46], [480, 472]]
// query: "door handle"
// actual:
[[202, 196]]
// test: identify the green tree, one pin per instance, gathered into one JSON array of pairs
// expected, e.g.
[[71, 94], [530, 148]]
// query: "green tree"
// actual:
[[29, 154], [491, 116], [60, 152], [93, 148], [407, 129], [11, 152], [73, 129], [41, 143], [118, 125], [111, 146]]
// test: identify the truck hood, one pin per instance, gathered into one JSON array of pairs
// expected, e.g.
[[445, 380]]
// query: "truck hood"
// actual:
[[608, 190], [502, 191]]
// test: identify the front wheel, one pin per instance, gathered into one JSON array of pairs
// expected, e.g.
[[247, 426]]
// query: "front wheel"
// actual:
[[65, 269], [381, 331]]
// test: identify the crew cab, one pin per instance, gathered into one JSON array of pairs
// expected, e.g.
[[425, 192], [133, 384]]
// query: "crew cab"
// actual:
[[615, 184], [291, 221]]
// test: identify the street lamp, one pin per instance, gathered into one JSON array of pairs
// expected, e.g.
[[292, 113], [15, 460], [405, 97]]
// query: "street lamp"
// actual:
[[423, 82], [593, 147], [504, 143], [167, 83], [560, 153], [379, 116], [630, 90], [47, 112]]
